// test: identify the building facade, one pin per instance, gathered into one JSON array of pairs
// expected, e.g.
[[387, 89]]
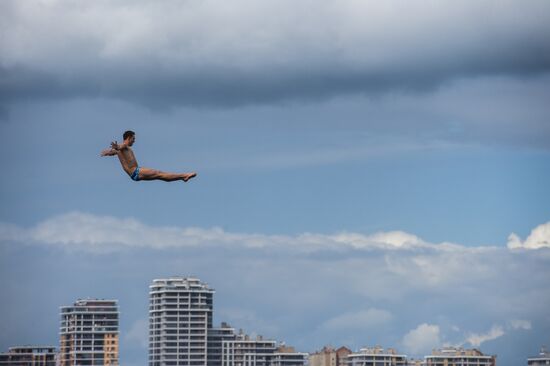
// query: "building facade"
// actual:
[[287, 356], [329, 356], [245, 351], [29, 356], [543, 359], [216, 337], [89, 333], [180, 316], [181, 332], [459, 357], [376, 356]]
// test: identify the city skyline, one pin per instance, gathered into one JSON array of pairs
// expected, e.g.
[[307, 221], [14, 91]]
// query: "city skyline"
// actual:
[[366, 170], [195, 299], [186, 304]]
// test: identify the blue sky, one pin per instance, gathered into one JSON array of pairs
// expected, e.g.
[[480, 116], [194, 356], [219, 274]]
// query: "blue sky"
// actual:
[[368, 173]]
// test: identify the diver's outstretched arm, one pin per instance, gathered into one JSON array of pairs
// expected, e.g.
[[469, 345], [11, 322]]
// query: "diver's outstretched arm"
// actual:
[[108, 152]]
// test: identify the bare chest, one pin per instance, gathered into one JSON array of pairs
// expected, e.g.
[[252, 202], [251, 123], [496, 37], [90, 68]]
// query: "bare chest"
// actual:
[[127, 157]]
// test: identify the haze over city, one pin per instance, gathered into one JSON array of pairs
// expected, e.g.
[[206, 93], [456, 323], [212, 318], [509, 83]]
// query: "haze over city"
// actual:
[[368, 172]]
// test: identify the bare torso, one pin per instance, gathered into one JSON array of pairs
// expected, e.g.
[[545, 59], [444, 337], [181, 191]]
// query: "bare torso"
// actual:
[[127, 159]]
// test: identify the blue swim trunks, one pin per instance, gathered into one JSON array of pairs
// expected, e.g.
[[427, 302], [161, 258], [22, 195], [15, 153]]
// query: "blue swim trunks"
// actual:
[[135, 174]]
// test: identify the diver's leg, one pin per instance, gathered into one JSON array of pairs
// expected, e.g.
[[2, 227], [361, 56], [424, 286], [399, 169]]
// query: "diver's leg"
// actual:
[[153, 174]]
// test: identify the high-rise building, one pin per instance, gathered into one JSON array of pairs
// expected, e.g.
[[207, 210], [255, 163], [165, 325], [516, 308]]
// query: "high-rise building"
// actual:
[[180, 316], [181, 332], [376, 356], [89, 333], [329, 356], [459, 356], [543, 358], [28, 356]]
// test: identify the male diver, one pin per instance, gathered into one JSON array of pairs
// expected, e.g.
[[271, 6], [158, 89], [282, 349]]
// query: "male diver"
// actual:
[[129, 164]]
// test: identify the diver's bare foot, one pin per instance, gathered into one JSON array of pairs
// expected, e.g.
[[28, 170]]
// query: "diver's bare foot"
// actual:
[[188, 176]]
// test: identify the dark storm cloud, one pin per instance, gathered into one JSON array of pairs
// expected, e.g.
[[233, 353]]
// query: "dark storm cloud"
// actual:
[[191, 53]]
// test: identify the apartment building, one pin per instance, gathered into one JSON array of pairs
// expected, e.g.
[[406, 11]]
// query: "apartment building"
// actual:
[[181, 331], [542, 359], [247, 351], [329, 356], [376, 356], [180, 317], [216, 337], [459, 357], [29, 356], [287, 356], [89, 333]]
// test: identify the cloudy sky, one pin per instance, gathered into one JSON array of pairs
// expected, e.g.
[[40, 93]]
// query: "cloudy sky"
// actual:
[[368, 172]]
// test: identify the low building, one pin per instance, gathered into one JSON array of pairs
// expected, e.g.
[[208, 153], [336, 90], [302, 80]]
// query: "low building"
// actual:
[[247, 351], [543, 358], [329, 356], [29, 356], [216, 337], [459, 357], [257, 351], [287, 356], [377, 356]]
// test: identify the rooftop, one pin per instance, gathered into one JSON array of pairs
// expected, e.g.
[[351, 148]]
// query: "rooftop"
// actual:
[[543, 355], [185, 282], [457, 352], [378, 350]]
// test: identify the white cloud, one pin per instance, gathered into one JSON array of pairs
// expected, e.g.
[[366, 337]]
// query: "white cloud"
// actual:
[[422, 339], [426, 336], [293, 287], [444, 265], [477, 339], [101, 234], [359, 320], [92, 233], [382, 266], [418, 264], [539, 238], [520, 324], [496, 331], [389, 240]]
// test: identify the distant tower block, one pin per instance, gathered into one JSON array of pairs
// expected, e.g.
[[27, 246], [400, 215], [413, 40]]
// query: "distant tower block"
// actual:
[[180, 317], [89, 333]]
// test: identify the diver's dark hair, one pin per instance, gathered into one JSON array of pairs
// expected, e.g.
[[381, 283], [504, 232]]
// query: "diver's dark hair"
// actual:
[[128, 134]]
